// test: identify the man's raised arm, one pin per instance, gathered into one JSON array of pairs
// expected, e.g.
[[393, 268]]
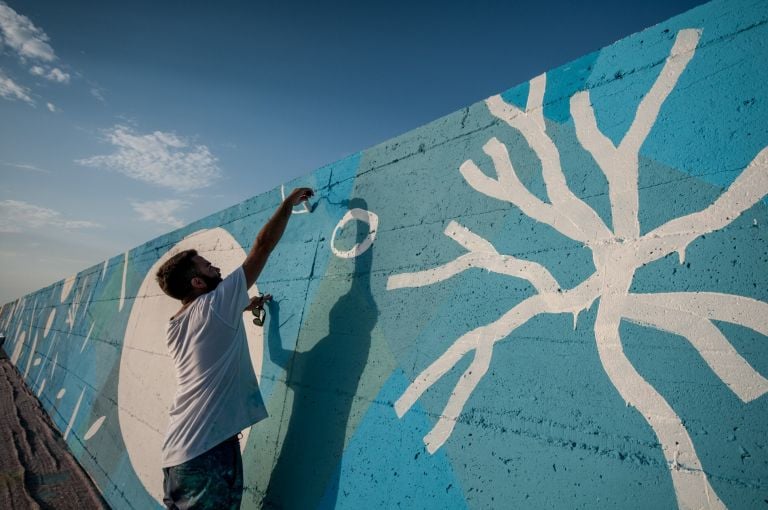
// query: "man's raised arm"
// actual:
[[271, 233]]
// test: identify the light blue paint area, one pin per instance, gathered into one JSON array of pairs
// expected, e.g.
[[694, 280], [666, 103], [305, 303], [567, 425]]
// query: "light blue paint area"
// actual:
[[385, 464], [551, 431], [712, 124], [481, 440], [730, 260], [728, 434]]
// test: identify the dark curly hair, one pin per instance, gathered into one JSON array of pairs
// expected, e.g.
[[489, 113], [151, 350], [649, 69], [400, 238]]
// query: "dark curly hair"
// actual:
[[175, 274]]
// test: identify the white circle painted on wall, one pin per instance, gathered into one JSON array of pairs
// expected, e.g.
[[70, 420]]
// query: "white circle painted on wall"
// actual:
[[361, 215], [147, 382]]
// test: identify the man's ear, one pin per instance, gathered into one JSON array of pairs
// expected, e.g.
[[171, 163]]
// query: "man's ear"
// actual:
[[197, 283]]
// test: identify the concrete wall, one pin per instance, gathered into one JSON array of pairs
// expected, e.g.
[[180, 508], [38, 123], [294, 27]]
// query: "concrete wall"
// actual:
[[554, 298]]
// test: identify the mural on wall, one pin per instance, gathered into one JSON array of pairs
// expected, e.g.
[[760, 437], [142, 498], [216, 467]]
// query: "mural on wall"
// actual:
[[617, 254], [554, 298]]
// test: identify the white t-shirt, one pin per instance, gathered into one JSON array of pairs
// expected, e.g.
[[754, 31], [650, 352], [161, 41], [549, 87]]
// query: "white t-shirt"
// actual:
[[217, 395]]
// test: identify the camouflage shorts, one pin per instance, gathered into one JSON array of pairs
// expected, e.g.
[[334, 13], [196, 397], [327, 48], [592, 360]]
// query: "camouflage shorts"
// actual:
[[213, 480]]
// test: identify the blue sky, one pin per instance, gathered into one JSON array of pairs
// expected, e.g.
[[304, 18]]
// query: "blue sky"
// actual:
[[120, 121]]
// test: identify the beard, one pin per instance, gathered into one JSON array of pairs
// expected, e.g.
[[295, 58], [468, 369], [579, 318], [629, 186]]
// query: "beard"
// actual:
[[211, 282]]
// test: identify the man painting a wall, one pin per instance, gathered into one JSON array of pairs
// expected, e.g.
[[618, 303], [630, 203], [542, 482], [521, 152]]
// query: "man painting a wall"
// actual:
[[217, 395]]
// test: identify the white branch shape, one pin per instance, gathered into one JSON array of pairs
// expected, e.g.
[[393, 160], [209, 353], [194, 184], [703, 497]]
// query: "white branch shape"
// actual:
[[690, 315], [617, 255], [531, 125], [674, 236], [692, 488], [481, 255], [620, 165]]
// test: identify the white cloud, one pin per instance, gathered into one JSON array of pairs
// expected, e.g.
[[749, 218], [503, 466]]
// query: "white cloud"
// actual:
[[19, 216], [98, 94], [161, 211], [163, 159], [19, 33], [54, 74], [30, 44], [12, 91], [58, 75], [52, 107]]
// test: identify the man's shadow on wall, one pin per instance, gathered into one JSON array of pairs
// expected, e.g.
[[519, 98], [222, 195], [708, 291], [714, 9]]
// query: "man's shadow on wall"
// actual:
[[324, 381]]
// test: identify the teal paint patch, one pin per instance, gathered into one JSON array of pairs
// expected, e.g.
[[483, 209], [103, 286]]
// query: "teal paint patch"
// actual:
[[398, 472], [726, 431], [518, 95], [565, 81], [711, 125]]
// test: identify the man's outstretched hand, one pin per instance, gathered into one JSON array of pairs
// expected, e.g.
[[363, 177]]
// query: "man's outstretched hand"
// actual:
[[299, 195], [257, 302]]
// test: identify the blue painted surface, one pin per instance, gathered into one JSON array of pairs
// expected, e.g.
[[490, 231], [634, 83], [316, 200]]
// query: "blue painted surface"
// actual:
[[546, 426]]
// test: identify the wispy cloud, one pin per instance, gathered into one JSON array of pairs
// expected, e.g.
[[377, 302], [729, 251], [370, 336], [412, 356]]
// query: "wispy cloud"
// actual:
[[52, 107], [160, 158], [11, 90], [21, 35], [24, 166], [19, 216], [30, 44], [54, 74], [161, 211], [98, 93]]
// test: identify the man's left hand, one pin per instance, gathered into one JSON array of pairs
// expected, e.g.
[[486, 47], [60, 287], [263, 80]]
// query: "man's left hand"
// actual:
[[257, 302]]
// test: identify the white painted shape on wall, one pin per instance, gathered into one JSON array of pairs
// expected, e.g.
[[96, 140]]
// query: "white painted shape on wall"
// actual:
[[358, 249], [18, 347], [87, 337], [66, 287], [125, 277], [41, 388], [74, 415], [104, 269], [54, 364], [36, 362], [535, 105], [49, 322], [61, 394], [75, 305], [32, 352], [94, 428], [147, 382]]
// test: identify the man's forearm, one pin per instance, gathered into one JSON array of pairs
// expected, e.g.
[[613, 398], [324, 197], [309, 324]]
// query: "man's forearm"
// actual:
[[270, 234]]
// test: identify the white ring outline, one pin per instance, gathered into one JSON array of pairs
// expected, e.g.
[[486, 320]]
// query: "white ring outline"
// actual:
[[356, 214]]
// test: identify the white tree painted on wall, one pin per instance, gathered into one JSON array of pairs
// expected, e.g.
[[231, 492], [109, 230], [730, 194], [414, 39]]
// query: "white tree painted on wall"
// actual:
[[617, 254]]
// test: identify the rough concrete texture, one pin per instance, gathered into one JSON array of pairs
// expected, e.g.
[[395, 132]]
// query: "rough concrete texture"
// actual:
[[554, 298]]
